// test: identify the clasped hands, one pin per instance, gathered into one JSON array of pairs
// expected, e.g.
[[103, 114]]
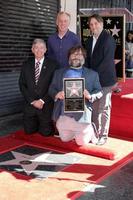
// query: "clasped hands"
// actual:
[[38, 104]]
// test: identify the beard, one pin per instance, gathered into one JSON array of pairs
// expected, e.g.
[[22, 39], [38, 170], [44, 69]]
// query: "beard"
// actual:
[[76, 63]]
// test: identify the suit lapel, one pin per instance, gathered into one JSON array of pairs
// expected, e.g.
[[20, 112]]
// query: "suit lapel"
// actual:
[[98, 43], [85, 76], [32, 70], [43, 72], [90, 46], [84, 73]]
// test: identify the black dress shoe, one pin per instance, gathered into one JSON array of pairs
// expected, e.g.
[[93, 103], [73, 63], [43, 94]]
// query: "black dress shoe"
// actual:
[[56, 134], [47, 133], [117, 90], [102, 140]]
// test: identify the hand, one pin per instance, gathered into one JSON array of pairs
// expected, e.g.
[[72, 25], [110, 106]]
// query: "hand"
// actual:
[[60, 95], [87, 94], [38, 104]]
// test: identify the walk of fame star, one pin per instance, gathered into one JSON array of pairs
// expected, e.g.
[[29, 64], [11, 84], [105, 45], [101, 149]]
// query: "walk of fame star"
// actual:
[[108, 21], [115, 31], [35, 162], [27, 162], [74, 89]]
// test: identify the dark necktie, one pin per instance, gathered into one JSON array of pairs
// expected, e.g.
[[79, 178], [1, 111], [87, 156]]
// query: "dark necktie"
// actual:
[[37, 72]]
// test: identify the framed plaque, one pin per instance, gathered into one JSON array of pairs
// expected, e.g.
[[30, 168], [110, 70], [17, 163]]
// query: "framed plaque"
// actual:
[[74, 98]]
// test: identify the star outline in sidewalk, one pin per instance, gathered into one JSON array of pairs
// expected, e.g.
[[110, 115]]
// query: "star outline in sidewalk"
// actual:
[[29, 163], [35, 162]]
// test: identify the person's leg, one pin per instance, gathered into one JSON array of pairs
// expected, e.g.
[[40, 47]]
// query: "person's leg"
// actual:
[[101, 113], [83, 137], [46, 127], [30, 120], [95, 113], [65, 128], [69, 129], [86, 134], [104, 111]]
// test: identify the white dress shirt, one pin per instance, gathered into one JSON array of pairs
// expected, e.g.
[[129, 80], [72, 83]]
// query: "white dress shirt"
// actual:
[[94, 43], [41, 63]]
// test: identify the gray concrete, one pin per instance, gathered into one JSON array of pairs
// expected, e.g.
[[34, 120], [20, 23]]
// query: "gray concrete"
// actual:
[[118, 186], [10, 123]]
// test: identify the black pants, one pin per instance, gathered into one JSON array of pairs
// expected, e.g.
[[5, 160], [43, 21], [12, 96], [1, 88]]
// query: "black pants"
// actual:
[[40, 121]]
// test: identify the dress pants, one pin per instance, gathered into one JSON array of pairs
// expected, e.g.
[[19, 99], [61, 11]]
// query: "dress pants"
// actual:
[[101, 112], [70, 129], [36, 120]]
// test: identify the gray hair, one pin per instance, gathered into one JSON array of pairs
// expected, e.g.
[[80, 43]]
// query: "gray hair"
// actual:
[[38, 40], [63, 13]]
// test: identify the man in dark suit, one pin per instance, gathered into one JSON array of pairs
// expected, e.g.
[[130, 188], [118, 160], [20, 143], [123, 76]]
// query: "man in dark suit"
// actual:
[[100, 57], [34, 81]]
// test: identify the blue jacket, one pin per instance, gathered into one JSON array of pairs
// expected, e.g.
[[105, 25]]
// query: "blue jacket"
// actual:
[[92, 84]]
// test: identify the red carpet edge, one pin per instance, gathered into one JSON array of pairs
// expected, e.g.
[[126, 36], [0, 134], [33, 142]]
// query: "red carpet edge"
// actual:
[[67, 146]]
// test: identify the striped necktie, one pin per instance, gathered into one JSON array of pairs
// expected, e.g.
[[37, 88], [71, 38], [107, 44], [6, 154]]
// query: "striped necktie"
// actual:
[[37, 71]]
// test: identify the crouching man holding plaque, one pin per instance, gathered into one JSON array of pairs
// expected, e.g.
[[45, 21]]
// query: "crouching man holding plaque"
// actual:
[[74, 89]]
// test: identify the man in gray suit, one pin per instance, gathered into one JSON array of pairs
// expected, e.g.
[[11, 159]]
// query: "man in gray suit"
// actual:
[[75, 125]]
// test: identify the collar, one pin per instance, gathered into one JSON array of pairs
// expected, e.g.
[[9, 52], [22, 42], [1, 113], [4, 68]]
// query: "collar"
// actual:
[[66, 35], [41, 61], [77, 68]]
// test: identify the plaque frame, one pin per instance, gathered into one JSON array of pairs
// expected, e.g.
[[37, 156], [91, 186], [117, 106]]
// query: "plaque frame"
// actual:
[[74, 100]]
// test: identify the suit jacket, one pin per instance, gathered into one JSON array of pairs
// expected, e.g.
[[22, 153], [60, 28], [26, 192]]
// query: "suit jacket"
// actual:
[[102, 58], [29, 89], [92, 84]]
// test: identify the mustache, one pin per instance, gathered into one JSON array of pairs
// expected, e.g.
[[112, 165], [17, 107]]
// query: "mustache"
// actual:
[[75, 59]]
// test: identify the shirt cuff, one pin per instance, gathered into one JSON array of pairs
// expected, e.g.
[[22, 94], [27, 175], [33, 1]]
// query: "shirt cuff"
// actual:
[[42, 101]]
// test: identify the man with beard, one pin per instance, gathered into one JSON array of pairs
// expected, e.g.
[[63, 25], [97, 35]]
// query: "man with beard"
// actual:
[[100, 57], [75, 125]]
